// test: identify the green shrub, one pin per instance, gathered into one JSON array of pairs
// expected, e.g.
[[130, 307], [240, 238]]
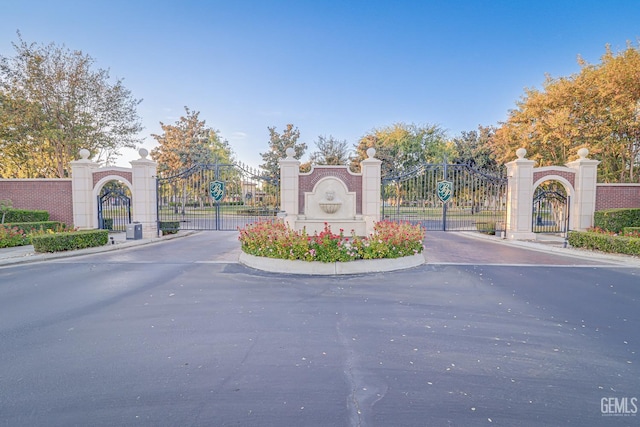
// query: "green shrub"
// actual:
[[107, 223], [169, 227], [22, 215], [486, 227], [57, 242], [604, 242], [616, 219]]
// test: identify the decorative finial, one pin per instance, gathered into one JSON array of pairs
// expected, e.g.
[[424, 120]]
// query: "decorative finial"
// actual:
[[143, 153], [290, 152], [371, 152], [583, 153], [521, 152], [84, 153]]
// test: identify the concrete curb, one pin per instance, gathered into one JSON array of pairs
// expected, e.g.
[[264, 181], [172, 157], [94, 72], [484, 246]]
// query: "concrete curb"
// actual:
[[31, 256], [283, 266], [570, 251]]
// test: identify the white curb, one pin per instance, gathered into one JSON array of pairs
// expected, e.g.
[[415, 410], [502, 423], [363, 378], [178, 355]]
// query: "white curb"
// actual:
[[274, 265]]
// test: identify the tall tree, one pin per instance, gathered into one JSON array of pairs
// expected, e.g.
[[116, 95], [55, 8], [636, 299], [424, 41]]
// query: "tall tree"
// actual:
[[187, 142], [330, 151], [278, 144], [53, 102], [402, 147], [599, 108], [472, 148]]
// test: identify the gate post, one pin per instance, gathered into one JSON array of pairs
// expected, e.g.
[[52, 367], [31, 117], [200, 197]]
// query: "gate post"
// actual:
[[585, 190], [143, 193], [520, 197], [371, 190], [82, 191], [289, 186]]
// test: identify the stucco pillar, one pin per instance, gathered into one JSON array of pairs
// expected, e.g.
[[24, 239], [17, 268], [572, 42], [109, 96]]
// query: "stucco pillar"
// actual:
[[371, 182], [289, 187], [585, 191], [143, 194], [84, 204], [520, 197]]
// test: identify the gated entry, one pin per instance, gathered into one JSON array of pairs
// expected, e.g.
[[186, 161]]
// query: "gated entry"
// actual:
[[446, 197], [550, 211], [215, 197], [114, 208]]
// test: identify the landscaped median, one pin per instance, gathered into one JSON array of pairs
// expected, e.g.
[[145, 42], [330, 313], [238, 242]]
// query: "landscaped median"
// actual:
[[272, 246]]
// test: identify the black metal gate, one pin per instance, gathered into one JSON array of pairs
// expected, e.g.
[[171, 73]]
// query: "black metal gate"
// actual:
[[550, 212], [114, 209], [217, 196], [446, 197]]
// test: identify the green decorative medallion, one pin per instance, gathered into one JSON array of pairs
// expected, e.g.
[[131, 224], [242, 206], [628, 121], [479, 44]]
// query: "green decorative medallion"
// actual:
[[445, 190], [217, 190]]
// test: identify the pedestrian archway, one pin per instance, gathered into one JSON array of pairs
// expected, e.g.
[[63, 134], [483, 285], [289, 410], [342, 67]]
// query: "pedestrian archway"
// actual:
[[114, 206]]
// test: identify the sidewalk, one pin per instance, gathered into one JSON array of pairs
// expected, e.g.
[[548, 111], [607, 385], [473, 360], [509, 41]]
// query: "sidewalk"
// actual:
[[23, 254], [555, 244]]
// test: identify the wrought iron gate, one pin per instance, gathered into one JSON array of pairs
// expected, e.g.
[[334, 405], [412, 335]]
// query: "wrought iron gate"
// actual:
[[550, 212], [446, 197], [114, 209], [216, 196]]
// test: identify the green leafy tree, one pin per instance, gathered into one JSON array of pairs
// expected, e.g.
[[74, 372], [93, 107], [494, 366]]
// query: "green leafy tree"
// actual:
[[278, 144], [188, 142], [183, 145], [402, 147], [473, 148], [54, 102], [330, 151]]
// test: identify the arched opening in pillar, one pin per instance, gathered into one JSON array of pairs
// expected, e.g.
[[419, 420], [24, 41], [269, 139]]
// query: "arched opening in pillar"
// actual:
[[551, 207], [114, 205]]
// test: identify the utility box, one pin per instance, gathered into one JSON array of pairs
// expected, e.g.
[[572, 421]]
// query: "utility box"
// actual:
[[134, 231]]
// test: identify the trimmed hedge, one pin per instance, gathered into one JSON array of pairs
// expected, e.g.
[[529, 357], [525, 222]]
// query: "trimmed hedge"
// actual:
[[28, 227], [616, 219], [22, 215], [169, 227], [488, 227], [604, 242], [58, 242]]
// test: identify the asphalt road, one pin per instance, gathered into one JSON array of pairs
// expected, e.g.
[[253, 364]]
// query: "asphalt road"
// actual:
[[177, 334]]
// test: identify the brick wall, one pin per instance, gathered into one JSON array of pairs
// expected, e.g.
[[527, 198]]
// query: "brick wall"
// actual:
[[610, 196], [569, 176], [307, 182], [97, 176], [52, 195]]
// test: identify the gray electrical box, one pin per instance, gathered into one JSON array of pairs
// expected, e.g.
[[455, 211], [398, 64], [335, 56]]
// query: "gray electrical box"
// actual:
[[134, 231]]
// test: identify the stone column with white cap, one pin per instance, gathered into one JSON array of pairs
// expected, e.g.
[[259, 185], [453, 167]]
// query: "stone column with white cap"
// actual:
[[289, 187], [520, 197], [585, 191], [143, 194], [371, 183], [84, 205]]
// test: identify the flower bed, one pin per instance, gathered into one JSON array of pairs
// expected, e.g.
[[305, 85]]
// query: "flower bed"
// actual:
[[274, 239]]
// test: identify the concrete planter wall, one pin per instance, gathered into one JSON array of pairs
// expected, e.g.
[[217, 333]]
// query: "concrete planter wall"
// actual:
[[274, 265]]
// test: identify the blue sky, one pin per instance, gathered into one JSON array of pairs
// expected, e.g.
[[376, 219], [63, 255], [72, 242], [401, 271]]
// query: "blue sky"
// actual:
[[329, 67]]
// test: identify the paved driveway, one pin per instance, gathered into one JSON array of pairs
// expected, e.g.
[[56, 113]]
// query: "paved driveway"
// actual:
[[177, 334]]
